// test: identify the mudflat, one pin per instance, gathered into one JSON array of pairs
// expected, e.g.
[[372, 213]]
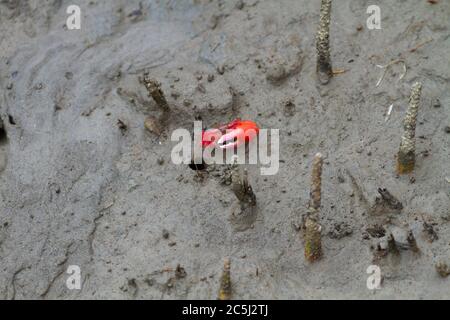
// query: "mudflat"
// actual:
[[86, 177]]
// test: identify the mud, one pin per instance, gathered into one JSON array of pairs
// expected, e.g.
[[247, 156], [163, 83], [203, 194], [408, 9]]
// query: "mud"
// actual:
[[83, 182]]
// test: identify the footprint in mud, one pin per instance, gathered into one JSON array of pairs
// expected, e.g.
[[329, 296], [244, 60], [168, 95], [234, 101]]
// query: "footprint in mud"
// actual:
[[242, 218]]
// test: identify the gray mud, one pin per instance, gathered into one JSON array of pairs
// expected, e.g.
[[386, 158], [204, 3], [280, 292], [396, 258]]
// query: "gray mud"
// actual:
[[76, 189]]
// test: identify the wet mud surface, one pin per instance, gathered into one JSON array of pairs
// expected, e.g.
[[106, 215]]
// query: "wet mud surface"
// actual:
[[86, 180]]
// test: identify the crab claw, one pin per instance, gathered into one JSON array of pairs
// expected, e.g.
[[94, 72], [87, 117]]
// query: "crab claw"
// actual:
[[239, 132], [230, 135], [231, 139], [210, 136]]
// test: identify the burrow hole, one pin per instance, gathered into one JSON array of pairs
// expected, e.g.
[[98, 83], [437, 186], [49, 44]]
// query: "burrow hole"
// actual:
[[198, 166], [3, 135]]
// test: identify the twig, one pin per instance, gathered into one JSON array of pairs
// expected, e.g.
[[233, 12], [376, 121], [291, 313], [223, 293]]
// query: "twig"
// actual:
[[420, 45], [388, 114], [386, 67]]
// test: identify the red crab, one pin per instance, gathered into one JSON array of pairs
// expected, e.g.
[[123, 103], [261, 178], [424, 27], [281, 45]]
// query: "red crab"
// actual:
[[230, 135]]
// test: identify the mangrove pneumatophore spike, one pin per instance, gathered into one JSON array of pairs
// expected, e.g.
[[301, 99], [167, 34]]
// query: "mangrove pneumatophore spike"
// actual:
[[241, 187], [324, 68], [406, 155], [412, 242], [313, 241], [155, 91], [316, 183], [392, 245], [225, 282]]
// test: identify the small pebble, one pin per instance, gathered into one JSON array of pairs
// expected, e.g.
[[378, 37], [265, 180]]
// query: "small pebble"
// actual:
[[240, 4], [442, 269], [175, 94], [437, 103], [221, 69], [187, 102], [214, 21], [68, 75], [152, 125], [201, 88]]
